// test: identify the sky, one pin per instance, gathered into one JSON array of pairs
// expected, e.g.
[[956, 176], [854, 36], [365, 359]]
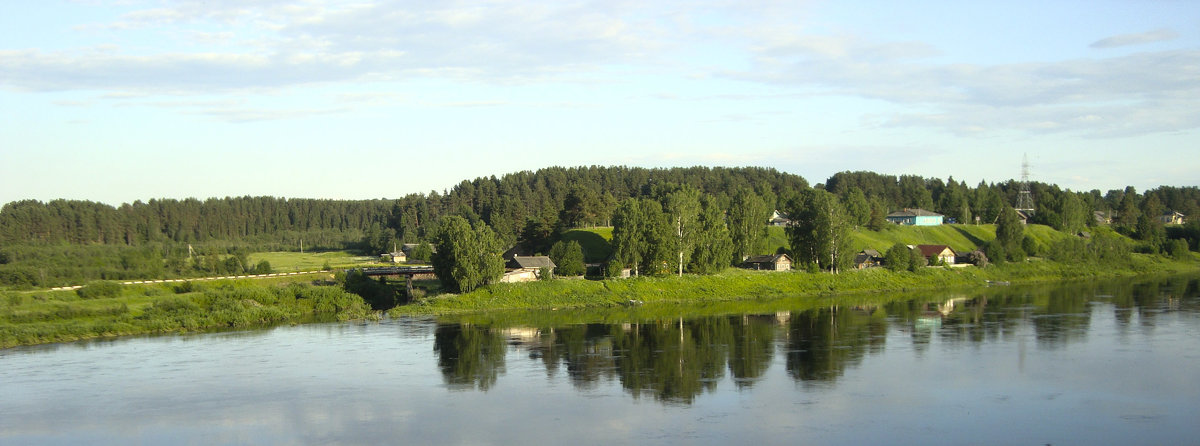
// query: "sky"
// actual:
[[124, 100]]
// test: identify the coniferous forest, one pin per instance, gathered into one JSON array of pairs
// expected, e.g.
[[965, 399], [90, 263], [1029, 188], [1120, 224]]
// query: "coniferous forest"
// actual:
[[69, 242]]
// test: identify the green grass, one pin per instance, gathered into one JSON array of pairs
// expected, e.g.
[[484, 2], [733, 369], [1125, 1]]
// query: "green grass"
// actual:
[[595, 242], [61, 316], [737, 285], [286, 262]]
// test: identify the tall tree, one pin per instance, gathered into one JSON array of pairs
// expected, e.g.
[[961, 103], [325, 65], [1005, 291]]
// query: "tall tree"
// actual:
[[466, 258], [858, 211], [748, 214], [819, 233], [683, 210], [1010, 234], [714, 246], [567, 257]]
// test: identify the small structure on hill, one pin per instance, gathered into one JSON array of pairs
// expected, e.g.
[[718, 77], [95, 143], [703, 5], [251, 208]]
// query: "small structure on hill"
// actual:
[[867, 258], [526, 268], [937, 252], [393, 257], [776, 262], [779, 219], [915, 217], [1102, 218], [1171, 218]]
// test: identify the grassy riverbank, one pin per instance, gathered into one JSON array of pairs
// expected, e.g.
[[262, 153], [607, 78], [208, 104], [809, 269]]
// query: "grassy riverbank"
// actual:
[[736, 285], [104, 309]]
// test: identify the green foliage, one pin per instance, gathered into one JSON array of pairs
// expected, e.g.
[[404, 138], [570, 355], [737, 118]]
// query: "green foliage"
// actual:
[[375, 292], [748, 215], [466, 258], [916, 261], [422, 252], [99, 289], [819, 233], [141, 309], [567, 258], [1178, 249], [898, 257], [713, 250]]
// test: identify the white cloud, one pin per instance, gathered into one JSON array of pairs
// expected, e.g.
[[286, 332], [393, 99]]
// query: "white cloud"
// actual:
[[1133, 94], [1158, 35]]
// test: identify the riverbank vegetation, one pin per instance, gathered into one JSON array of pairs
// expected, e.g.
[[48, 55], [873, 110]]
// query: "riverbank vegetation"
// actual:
[[738, 285], [105, 309]]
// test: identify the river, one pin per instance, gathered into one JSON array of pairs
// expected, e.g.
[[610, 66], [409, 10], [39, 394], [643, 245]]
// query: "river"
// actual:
[[1113, 362]]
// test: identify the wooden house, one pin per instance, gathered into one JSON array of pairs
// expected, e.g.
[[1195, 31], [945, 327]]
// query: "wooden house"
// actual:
[[937, 252], [867, 258], [776, 262]]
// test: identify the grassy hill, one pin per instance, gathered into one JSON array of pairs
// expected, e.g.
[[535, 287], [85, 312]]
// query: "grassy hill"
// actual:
[[595, 242]]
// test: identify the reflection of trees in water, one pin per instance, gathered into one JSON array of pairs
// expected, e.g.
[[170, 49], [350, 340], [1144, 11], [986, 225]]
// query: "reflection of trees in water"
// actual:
[[822, 343], [469, 356], [670, 360], [675, 361], [752, 345], [1064, 317]]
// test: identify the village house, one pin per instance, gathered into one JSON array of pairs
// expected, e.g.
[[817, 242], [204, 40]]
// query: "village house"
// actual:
[[1102, 218], [937, 252], [393, 257], [867, 258], [915, 217], [1171, 218], [779, 219], [776, 262], [526, 268]]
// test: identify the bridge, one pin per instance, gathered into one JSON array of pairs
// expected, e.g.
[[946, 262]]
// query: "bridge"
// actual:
[[425, 272]]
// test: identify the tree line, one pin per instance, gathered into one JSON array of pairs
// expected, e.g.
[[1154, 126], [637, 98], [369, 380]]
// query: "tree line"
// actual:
[[676, 220]]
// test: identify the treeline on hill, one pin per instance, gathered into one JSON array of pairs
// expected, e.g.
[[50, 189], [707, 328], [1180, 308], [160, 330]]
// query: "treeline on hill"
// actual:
[[43, 244]]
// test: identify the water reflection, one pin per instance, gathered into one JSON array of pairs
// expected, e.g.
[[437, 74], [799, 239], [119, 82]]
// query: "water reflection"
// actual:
[[675, 360]]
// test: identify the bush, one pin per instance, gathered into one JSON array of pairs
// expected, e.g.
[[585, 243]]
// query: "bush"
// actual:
[[897, 257], [99, 289], [1178, 249], [977, 258]]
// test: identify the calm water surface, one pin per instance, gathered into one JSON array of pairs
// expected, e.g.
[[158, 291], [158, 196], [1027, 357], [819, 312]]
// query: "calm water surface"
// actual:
[[1099, 363]]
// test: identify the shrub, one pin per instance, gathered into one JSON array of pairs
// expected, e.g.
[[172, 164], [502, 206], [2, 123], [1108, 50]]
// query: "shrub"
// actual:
[[897, 257], [99, 289], [1178, 249]]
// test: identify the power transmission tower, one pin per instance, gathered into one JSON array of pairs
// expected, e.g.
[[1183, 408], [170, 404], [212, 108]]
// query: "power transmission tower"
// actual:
[[1024, 196]]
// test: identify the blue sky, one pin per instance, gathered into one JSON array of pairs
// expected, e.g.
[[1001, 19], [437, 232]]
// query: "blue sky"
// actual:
[[116, 101]]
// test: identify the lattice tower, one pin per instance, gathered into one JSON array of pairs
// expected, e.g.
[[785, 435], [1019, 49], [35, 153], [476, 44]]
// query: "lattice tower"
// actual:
[[1024, 196]]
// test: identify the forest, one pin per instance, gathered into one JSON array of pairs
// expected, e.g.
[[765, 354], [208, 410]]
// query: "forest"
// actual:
[[69, 241]]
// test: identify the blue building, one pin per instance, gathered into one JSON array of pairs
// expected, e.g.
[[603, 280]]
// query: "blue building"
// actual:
[[916, 217]]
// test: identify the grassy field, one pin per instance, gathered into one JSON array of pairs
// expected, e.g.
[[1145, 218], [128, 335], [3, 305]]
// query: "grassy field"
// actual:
[[286, 262]]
